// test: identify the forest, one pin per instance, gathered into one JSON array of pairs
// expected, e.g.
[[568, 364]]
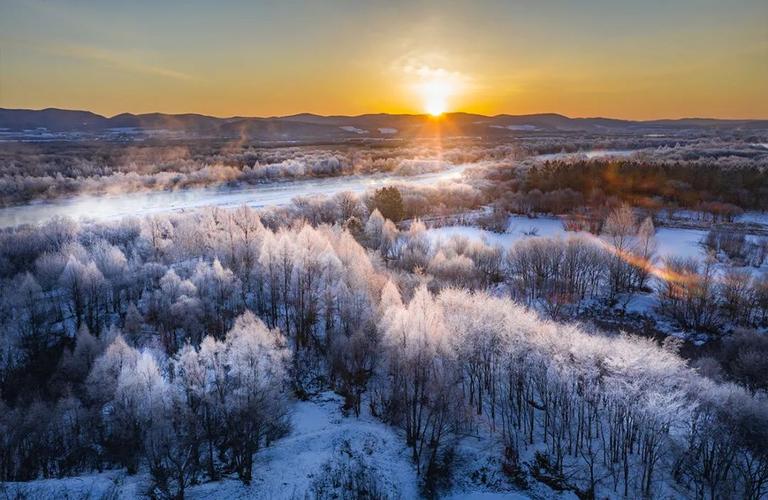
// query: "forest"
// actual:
[[176, 345]]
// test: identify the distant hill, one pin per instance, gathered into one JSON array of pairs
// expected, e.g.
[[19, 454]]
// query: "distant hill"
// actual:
[[53, 123]]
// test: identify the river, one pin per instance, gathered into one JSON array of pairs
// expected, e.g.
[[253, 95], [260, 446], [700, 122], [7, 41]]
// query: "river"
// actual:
[[105, 207]]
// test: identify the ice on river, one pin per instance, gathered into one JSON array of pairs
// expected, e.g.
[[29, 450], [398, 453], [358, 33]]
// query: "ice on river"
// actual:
[[273, 194]]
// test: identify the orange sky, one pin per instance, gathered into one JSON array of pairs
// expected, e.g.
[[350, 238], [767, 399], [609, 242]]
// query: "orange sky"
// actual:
[[638, 60]]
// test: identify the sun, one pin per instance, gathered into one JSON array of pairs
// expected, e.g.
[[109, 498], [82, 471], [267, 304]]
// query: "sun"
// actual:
[[435, 106], [435, 94], [434, 90]]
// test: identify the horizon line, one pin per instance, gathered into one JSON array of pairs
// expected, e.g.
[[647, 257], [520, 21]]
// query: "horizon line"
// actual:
[[426, 115]]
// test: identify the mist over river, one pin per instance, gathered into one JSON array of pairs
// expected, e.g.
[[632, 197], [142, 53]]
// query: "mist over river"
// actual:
[[105, 207]]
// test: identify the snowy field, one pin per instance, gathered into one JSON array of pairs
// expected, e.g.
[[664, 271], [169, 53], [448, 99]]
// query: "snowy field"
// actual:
[[588, 155], [671, 242]]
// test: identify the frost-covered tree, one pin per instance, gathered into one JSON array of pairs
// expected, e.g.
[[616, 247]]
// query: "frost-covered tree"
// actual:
[[140, 391], [736, 293], [219, 292], [75, 365], [619, 231], [314, 269], [391, 245], [416, 247], [102, 380], [255, 402], [687, 293], [86, 293], [374, 229], [644, 252], [157, 231], [353, 360], [26, 303], [112, 263], [134, 323], [421, 392]]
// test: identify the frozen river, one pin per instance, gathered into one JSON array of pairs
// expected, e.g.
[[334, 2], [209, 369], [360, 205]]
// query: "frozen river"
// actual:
[[273, 194]]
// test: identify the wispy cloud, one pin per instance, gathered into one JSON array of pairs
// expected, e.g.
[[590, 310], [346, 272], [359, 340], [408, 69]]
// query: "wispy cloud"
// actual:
[[127, 61], [428, 77]]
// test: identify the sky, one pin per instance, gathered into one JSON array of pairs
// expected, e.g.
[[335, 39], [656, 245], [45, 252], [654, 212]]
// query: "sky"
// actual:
[[623, 59]]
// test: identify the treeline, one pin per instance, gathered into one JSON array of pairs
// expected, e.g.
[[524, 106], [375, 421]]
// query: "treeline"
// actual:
[[174, 344], [683, 184], [568, 186]]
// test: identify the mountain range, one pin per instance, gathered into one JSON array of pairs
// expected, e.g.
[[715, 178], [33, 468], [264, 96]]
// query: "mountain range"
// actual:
[[53, 123]]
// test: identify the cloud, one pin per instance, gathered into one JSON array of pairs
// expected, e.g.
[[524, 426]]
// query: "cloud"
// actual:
[[429, 78], [426, 67]]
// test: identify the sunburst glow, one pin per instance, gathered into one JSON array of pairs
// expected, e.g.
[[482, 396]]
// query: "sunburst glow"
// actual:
[[435, 105], [436, 93], [436, 88]]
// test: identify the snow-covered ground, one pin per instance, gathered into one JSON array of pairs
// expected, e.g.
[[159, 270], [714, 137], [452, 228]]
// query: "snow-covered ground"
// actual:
[[589, 155], [289, 467], [670, 241], [112, 484], [286, 470], [321, 436], [753, 218]]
